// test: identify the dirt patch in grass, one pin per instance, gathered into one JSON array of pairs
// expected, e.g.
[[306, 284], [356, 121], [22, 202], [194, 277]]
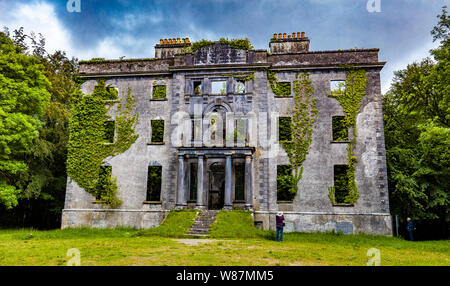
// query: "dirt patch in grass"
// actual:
[[195, 241]]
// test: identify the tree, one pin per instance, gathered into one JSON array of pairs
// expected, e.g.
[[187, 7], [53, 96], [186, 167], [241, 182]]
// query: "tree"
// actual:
[[44, 182], [417, 134], [23, 99]]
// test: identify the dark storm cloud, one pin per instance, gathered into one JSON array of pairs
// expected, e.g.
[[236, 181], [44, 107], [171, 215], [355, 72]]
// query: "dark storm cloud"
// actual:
[[401, 30]]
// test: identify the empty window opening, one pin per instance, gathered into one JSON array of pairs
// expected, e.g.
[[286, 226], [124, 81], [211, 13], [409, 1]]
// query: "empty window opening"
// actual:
[[284, 88], [193, 182], [285, 183], [337, 87], [284, 129], [159, 92], [198, 87], [340, 130], [104, 181], [154, 183], [239, 171], [341, 187], [109, 131], [157, 131], [219, 87]]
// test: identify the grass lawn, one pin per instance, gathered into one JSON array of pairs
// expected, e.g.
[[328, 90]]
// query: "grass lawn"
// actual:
[[238, 244]]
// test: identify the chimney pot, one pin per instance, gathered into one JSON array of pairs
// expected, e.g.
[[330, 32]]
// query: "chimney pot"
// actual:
[[284, 35], [178, 40], [275, 36], [165, 41], [303, 34], [187, 40], [293, 35], [289, 36], [298, 34], [161, 41], [279, 36]]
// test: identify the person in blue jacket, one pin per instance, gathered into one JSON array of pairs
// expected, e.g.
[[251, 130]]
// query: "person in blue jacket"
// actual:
[[410, 227]]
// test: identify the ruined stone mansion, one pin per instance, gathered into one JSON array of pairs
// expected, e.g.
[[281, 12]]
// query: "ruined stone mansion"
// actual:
[[208, 137]]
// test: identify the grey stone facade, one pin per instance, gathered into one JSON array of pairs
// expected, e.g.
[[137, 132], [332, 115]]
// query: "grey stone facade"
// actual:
[[252, 161]]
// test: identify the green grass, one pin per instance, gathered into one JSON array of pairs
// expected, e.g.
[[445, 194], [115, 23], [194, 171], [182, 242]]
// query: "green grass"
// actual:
[[236, 224], [176, 224], [233, 240]]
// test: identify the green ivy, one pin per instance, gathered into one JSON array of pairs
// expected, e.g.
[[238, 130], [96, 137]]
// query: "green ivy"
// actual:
[[241, 76], [241, 44], [86, 147], [278, 88], [350, 98], [159, 91], [303, 118]]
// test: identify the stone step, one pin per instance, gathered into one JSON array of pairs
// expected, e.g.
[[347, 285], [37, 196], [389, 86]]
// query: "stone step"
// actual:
[[203, 223]]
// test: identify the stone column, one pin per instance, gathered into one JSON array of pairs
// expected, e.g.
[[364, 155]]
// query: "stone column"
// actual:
[[248, 183], [227, 204], [200, 201], [181, 192]]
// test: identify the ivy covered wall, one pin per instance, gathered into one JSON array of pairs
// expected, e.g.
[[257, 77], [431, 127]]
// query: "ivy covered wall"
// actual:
[[87, 149]]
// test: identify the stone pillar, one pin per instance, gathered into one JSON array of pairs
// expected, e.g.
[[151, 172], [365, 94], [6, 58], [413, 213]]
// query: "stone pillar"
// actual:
[[248, 183], [200, 201], [227, 204], [181, 192]]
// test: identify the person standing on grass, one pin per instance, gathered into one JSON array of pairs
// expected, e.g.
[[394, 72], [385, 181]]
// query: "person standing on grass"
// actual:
[[280, 226], [410, 227]]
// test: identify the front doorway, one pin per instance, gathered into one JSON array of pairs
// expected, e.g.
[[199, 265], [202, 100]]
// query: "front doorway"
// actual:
[[216, 186]]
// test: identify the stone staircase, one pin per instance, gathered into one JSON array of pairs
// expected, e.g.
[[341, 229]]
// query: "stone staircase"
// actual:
[[203, 222]]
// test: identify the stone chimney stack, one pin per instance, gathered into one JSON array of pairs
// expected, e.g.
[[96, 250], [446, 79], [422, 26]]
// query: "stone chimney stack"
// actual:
[[295, 43], [168, 48]]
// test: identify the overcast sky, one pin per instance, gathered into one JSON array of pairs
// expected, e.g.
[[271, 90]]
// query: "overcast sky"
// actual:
[[130, 28]]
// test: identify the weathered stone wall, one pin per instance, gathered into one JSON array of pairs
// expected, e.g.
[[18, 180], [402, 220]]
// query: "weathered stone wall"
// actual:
[[311, 209], [325, 58]]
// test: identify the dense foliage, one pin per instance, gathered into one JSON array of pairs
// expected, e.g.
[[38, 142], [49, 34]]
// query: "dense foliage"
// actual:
[[24, 97], [240, 44], [87, 147], [417, 134]]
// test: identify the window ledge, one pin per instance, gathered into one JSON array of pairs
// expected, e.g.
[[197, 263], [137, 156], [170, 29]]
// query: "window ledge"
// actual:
[[283, 96], [99, 202], [152, 202], [285, 202], [158, 99], [156, 143], [341, 141], [343, 205]]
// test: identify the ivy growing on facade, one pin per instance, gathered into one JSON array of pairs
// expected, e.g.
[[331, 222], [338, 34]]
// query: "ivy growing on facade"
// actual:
[[278, 88], [350, 98], [87, 149], [303, 118]]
